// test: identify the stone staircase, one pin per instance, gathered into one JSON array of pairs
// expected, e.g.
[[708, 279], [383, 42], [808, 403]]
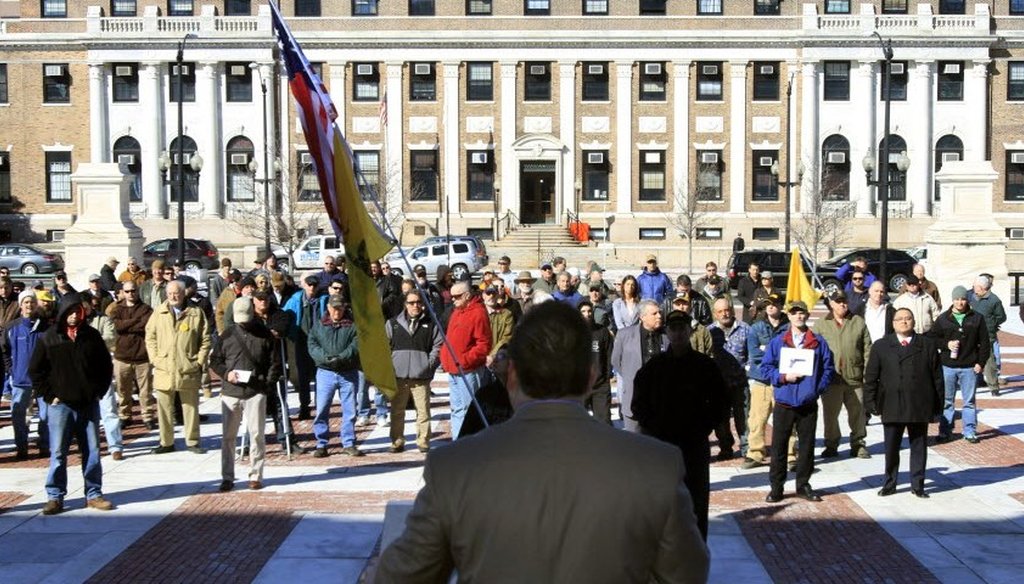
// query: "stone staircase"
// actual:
[[529, 246]]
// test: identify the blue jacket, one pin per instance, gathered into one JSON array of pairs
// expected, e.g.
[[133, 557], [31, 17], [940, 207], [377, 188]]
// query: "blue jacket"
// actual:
[[19, 343], [294, 306], [573, 299], [807, 389], [761, 332], [844, 274], [654, 285]]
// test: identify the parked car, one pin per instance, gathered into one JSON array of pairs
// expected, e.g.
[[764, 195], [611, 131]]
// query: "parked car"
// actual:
[[481, 248], [770, 260], [310, 253], [899, 265], [462, 255], [28, 259], [919, 253], [200, 254]]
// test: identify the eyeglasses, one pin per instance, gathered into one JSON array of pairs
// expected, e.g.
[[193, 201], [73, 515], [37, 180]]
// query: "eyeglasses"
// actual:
[[335, 287], [414, 303], [858, 279], [127, 291], [62, 277]]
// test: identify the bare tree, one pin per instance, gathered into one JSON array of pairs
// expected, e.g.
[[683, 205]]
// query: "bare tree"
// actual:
[[689, 211], [384, 200], [824, 220]]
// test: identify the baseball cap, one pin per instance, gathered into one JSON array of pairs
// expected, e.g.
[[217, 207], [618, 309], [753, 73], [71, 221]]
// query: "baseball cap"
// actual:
[[682, 297], [798, 306], [94, 277], [838, 296], [546, 267], [44, 296], [241, 309], [652, 258], [336, 301], [766, 275], [113, 260], [419, 269]]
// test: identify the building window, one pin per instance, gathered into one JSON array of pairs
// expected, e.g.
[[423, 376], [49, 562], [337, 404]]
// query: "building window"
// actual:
[[480, 175], [766, 7], [367, 164], [479, 7], [128, 156], [422, 82], [366, 83], [423, 178], [598, 234], [765, 234], [479, 85], [421, 7], [709, 233], [58, 177], [595, 82], [952, 6], [652, 7], [307, 8], [190, 176], [188, 83], [126, 82], [3, 83], [1015, 81], [837, 81], [238, 82], [766, 81], [536, 7], [595, 7], [655, 233], [765, 186], [364, 7], [652, 175], [709, 7], [897, 179], [948, 148], [894, 6], [1015, 176], [1016, 7], [537, 82], [709, 81], [123, 8], [951, 81], [5, 177], [898, 77], [237, 8], [837, 6], [309, 184], [709, 175], [180, 7], [56, 83], [240, 181], [653, 80], [54, 9], [835, 168], [595, 175]]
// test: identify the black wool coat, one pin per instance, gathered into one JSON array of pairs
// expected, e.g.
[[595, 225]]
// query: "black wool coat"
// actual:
[[904, 384]]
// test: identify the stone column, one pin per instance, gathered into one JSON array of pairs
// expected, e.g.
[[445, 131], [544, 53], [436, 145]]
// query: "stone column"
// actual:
[[151, 140], [99, 148], [681, 152], [394, 171], [737, 136], [975, 92], [450, 142], [206, 132], [920, 98], [809, 146], [509, 161], [623, 137], [567, 128], [861, 132]]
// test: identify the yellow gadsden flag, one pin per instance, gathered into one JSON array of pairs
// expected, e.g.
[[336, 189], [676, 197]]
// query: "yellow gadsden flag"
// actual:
[[799, 286]]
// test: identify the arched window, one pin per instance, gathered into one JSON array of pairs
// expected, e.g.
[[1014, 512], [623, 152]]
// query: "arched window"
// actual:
[[191, 176], [897, 182], [128, 156], [240, 180], [949, 148], [835, 168]]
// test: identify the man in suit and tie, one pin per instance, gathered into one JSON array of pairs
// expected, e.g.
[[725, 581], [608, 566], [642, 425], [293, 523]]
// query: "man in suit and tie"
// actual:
[[903, 383], [634, 347], [516, 501]]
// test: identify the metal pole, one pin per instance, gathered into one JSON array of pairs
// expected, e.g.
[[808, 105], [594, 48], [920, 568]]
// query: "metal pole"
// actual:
[[883, 168], [789, 166], [266, 172], [181, 153]]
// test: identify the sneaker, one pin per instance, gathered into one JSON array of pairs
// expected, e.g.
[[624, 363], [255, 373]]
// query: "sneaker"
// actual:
[[226, 486], [255, 485], [749, 463], [163, 449], [362, 421], [862, 453], [942, 438], [383, 422], [197, 450], [99, 504], [117, 455], [995, 393], [53, 507], [395, 448], [352, 451], [423, 449], [830, 452], [972, 439], [320, 452], [295, 448]]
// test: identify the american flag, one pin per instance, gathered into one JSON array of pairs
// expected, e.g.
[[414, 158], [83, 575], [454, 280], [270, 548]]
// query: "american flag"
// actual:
[[384, 111]]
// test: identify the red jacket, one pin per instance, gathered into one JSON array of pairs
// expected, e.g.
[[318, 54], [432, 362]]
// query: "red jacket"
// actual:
[[469, 334]]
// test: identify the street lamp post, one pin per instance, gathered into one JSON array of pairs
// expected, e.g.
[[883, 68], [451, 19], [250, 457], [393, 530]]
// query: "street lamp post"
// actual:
[[883, 179], [266, 164], [789, 184], [181, 148]]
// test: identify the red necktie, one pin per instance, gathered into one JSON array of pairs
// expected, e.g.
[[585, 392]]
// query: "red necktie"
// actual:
[[904, 342]]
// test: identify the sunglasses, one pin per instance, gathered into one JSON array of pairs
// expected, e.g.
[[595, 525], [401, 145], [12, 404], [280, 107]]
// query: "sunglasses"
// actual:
[[858, 279], [414, 303]]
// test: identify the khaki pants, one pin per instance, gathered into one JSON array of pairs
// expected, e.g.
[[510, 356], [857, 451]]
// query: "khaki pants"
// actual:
[[130, 375], [189, 410], [232, 411], [420, 392], [841, 394], [762, 401]]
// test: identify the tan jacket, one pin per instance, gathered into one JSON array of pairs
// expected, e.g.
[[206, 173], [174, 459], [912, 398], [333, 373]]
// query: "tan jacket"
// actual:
[[850, 345], [924, 308], [700, 339], [178, 348]]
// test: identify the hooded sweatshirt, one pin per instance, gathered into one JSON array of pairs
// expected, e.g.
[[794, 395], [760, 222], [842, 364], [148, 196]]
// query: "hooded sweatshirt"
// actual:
[[71, 363]]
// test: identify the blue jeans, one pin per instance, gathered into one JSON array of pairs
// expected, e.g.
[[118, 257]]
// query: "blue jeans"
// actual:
[[967, 380], [82, 425], [345, 383], [44, 424], [111, 421], [20, 398], [363, 397], [461, 389]]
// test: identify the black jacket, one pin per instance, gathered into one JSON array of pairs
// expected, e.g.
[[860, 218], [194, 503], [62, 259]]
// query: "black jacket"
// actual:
[[973, 337], [904, 384], [247, 348], [79, 371], [601, 343], [108, 281]]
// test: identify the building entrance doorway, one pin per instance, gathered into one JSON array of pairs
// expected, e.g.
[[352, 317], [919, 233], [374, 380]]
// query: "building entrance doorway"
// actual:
[[537, 191]]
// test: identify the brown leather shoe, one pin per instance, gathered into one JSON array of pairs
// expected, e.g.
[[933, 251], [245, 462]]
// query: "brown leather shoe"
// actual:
[[117, 455], [255, 485], [100, 504], [53, 507]]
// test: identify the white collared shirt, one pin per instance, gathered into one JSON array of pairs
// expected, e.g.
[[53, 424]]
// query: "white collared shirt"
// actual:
[[874, 318]]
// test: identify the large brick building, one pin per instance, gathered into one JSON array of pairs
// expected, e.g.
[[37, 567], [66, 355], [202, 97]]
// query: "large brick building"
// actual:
[[617, 110]]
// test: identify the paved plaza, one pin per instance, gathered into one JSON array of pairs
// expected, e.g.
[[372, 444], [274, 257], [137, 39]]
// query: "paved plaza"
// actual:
[[324, 518]]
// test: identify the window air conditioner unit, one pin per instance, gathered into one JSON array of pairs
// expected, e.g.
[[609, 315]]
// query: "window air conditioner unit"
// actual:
[[537, 69], [239, 159], [652, 157], [765, 161], [836, 158], [1017, 158], [421, 69], [595, 69], [767, 70], [897, 69], [1016, 232], [478, 158], [238, 70], [652, 68], [187, 157], [124, 159], [364, 69], [950, 156], [951, 69], [595, 157], [184, 70], [123, 71], [709, 158], [306, 158], [709, 69], [53, 71]]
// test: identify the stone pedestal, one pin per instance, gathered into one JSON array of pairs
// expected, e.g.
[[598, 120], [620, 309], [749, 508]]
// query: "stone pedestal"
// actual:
[[103, 227], [966, 240]]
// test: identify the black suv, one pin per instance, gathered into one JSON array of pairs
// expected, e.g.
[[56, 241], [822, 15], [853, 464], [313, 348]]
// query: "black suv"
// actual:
[[199, 253], [899, 262], [899, 265], [770, 260]]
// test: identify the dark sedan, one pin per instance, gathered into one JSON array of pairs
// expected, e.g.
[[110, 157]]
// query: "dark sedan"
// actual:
[[200, 254]]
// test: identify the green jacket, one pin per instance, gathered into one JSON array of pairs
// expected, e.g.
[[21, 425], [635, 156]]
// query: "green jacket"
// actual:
[[991, 309], [501, 329], [850, 345], [334, 346], [700, 339]]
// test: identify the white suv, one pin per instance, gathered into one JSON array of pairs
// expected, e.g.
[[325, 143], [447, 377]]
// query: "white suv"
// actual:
[[461, 254]]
